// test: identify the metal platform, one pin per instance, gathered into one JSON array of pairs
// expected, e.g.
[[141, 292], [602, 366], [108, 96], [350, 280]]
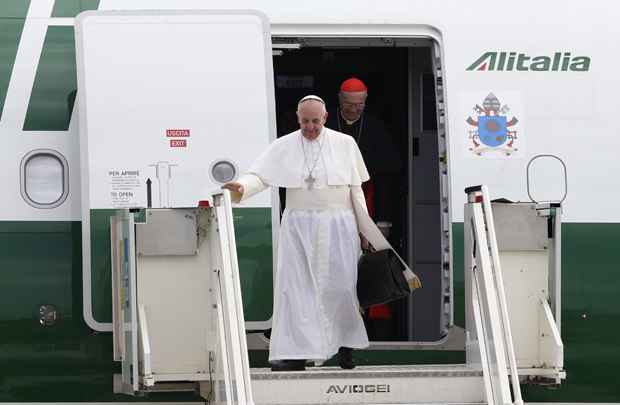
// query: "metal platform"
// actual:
[[370, 385]]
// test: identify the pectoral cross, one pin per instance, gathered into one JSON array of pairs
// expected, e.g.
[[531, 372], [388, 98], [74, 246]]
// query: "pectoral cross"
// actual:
[[310, 181]]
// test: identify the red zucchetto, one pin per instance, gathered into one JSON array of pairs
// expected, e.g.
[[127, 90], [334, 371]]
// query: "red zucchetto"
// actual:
[[353, 85]]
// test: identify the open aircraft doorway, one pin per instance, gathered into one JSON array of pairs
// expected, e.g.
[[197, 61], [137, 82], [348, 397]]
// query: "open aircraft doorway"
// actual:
[[404, 82]]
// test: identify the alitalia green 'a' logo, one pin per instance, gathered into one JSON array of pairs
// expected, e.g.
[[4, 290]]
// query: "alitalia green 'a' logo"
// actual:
[[514, 61]]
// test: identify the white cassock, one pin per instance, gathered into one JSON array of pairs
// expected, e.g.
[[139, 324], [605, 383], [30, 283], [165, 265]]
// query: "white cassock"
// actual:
[[316, 310]]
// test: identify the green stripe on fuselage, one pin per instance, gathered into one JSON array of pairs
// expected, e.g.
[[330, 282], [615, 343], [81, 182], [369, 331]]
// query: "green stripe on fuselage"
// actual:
[[42, 263], [71, 8], [12, 15], [590, 286], [54, 90]]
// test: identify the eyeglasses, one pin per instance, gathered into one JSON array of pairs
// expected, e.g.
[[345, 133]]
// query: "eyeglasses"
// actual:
[[346, 104]]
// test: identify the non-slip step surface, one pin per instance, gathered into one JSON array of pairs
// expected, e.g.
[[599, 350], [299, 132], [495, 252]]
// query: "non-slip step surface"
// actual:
[[411, 371]]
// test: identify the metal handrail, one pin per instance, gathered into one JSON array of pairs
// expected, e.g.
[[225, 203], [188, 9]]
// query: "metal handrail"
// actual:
[[499, 285]]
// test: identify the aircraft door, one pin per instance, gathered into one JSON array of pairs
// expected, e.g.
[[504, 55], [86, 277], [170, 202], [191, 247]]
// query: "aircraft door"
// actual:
[[172, 105]]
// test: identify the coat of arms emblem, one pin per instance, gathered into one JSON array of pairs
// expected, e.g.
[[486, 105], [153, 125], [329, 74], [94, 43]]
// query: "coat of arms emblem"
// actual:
[[491, 130]]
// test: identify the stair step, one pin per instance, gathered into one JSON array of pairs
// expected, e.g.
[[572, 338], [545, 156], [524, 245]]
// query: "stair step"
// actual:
[[406, 384], [412, 371]]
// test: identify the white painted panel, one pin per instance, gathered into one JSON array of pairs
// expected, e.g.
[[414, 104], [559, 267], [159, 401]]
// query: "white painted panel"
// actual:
[[166, 95], [525, 275], [174, 293], [17, 143]]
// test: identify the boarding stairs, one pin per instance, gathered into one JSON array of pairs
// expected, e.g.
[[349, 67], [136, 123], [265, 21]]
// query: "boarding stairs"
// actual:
[[489, 376], [486, 378]]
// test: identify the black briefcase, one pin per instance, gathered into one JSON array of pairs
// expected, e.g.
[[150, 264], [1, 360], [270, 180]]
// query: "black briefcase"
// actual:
[[380, 278]]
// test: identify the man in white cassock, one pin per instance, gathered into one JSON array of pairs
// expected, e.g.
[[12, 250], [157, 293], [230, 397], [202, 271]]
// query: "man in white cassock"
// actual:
[[316, 312]]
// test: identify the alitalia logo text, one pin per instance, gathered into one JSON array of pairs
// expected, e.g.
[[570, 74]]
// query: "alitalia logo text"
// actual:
[[521, 62]]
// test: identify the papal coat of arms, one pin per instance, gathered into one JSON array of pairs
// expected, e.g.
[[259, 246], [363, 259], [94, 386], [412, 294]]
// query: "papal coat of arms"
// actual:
[[491, 130]]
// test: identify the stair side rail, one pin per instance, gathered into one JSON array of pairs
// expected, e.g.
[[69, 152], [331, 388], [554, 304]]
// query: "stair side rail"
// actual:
[[488, 300], [233, 361], [499, 287]]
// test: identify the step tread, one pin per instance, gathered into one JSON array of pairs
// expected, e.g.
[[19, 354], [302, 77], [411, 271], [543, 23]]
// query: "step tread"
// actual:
[[417, 370], [398, 403]]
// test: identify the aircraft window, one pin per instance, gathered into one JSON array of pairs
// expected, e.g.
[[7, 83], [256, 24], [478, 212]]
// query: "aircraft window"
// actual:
[[223, 171], [44, 174]]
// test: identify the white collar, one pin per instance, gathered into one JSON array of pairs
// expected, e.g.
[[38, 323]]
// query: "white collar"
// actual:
[[350, 122], [318, 138]]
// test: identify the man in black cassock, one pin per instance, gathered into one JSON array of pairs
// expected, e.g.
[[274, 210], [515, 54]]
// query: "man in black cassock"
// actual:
[[377, 146], [384, 166]]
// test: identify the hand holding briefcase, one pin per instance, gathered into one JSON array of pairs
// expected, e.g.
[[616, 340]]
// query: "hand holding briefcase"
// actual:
[[382, 276]]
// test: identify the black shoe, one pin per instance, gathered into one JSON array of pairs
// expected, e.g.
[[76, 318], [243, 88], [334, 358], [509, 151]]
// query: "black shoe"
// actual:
[[345, 358], [289, 365]]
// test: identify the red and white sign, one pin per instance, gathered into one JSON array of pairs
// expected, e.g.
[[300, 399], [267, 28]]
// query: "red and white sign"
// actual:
[[177, 133], [178, 143]]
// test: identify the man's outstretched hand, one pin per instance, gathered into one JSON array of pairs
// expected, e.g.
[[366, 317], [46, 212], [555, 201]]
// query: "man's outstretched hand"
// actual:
[[236, 189]]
